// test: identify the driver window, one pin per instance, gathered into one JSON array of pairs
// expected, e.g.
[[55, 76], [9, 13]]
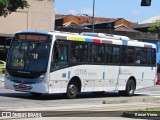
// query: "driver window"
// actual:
[[59, 57]]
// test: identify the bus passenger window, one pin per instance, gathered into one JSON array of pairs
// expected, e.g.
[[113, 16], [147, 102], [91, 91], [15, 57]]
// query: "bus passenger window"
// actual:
[[74, 52], [130, 55], [149, 56], [116, 54], [109, 56], [143, 56], [59, 57], [137, 56], [124, 55]]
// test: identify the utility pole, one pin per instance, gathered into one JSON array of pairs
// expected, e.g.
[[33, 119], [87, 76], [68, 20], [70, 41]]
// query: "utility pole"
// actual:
[[93, 17]]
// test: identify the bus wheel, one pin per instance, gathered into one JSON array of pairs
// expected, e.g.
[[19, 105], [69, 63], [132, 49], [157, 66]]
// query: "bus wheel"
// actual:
[[36, 95], [72, 90], [130, 88]]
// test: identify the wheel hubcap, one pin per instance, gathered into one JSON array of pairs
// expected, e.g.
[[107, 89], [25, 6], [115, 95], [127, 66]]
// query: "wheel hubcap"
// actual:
[[72, 89], [131, 88]]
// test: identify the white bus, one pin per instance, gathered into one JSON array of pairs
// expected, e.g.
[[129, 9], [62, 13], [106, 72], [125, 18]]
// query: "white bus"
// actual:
[[58, 62]]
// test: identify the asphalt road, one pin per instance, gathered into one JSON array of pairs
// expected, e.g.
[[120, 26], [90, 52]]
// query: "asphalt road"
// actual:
[[13, 99], [94, 104]]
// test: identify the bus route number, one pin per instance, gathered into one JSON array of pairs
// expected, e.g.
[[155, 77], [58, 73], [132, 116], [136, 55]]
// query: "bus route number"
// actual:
[[81, 72]]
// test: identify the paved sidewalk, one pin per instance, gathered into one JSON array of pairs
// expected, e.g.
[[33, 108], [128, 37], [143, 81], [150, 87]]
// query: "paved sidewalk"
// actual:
[[1, 80]]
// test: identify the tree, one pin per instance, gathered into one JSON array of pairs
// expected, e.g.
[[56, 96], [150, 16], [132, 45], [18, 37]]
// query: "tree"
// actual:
[[9, 6], [155, 26]]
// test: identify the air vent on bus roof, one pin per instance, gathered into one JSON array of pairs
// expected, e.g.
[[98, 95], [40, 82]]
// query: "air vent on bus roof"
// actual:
[[119, 37], [109, 36], [64, 32]]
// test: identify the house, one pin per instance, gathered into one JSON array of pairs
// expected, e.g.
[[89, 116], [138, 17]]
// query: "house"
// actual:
[[144, 25], [61, 20], [119, 24]]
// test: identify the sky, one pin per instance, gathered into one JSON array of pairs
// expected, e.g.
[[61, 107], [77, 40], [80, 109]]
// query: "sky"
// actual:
[[128, 9]]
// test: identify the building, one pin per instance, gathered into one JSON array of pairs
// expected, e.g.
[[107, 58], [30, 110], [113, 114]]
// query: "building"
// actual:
[[62, 20], [144, 25], [40, 15], [99, 22]]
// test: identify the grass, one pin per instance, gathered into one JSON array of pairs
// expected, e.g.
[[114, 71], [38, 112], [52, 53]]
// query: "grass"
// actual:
[[148, 110]]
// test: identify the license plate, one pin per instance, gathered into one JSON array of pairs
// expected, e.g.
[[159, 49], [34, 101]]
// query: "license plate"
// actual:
[[22, 86]]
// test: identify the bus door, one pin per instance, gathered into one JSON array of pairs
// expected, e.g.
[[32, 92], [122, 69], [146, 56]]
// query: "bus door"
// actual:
[[59, 73], [112, 66], [127, 66]]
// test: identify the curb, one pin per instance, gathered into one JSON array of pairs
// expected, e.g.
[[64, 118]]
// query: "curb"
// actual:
[[1, 84], [131, 100]]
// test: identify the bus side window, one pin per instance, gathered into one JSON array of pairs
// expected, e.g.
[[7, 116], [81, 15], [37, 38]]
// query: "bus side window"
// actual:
[[130, 55], [137, 56], [143, 56], [74, 52], [149, 57], [63, 54], [59, 57], [153, 57], [124, 55], [109, 54], [116, 54]]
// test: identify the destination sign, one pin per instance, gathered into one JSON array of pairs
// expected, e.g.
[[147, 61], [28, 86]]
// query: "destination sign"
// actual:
[[29, 37]]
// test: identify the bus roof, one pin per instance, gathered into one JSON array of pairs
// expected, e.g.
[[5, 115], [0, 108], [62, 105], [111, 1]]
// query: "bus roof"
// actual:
[[94, 37]]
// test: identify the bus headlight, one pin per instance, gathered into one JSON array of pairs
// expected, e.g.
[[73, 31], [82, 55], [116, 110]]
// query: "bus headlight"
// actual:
[[41, 78], [7, 76]]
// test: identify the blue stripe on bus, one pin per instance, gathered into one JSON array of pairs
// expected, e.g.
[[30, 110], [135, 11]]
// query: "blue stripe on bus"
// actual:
[[88, 40], [124, 42], [69, 75], [142, 75], [103, 75]]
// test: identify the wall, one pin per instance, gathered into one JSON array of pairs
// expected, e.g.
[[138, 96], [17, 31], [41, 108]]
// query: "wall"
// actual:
[[40, 15]]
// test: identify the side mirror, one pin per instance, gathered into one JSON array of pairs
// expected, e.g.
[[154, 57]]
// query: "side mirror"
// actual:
[[146, 2]]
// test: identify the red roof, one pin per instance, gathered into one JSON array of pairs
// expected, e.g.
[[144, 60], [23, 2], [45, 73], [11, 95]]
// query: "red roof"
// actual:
[[85, 19]]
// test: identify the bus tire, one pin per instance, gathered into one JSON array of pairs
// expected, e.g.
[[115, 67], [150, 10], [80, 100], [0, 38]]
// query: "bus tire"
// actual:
[[72, 90], [130, 88], [36, 95]]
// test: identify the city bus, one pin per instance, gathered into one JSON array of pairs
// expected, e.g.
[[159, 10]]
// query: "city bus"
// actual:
[[52, 62]]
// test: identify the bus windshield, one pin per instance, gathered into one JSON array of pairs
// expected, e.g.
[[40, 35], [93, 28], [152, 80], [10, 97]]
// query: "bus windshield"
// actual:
[[28, 56]]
